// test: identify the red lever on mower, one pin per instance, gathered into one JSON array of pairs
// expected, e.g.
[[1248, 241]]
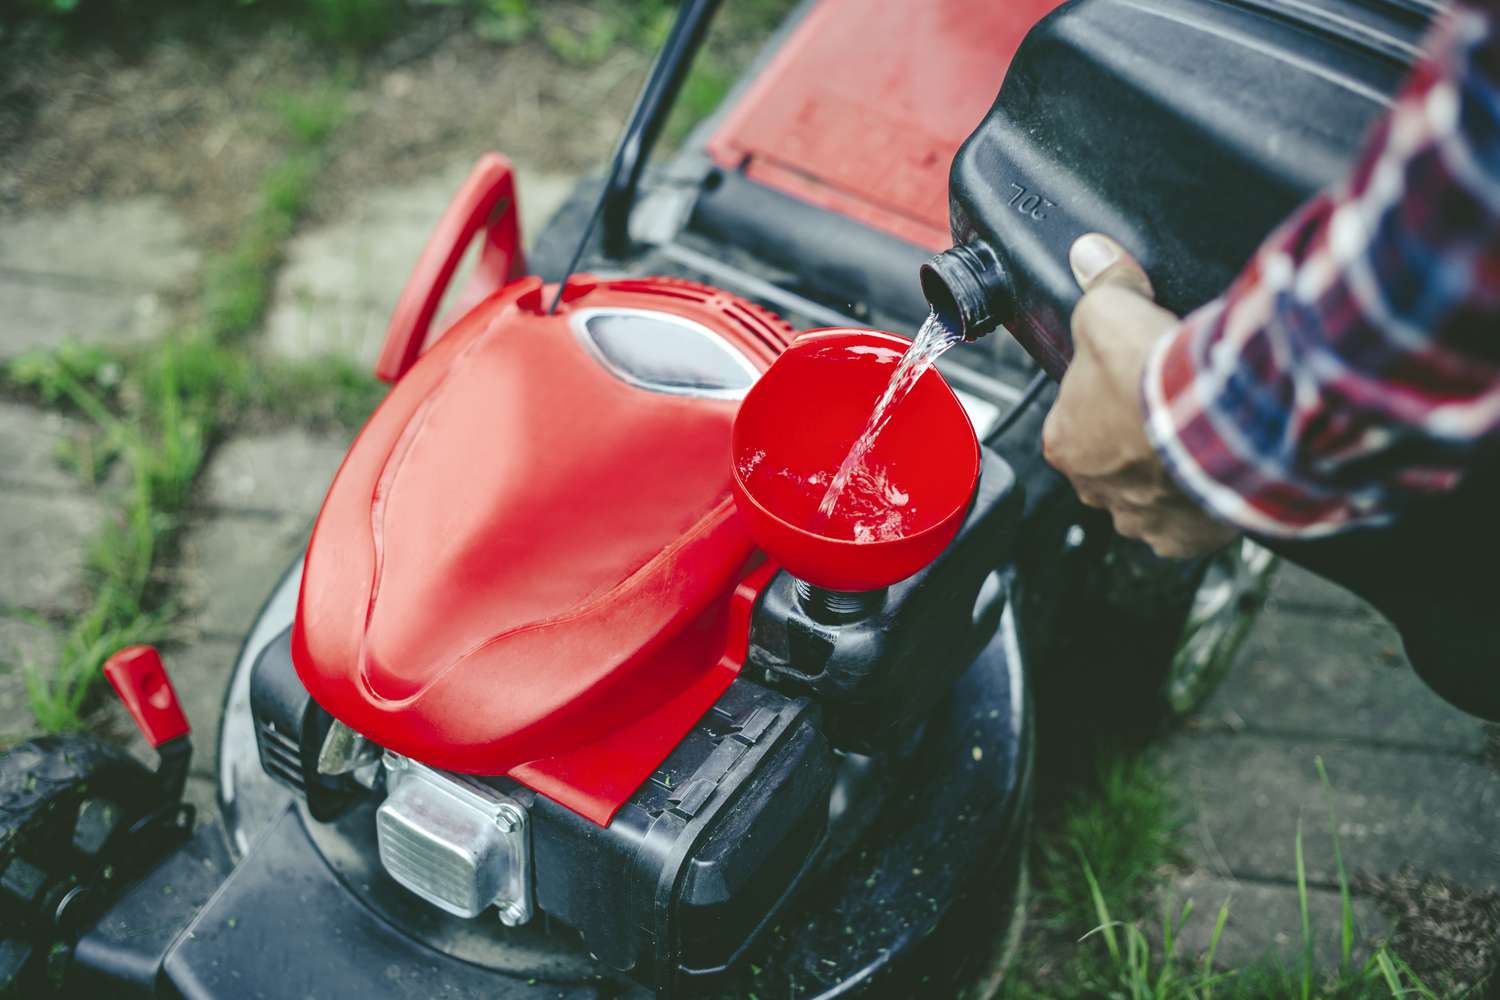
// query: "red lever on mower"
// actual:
[[486, 201], [142, 684]]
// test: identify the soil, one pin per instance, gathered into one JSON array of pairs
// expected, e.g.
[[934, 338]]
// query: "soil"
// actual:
[[191, 123], [464, 97], [1449, 933], [197, 121]]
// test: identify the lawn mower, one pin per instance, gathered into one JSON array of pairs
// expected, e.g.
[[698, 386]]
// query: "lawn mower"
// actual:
[[553, 705]]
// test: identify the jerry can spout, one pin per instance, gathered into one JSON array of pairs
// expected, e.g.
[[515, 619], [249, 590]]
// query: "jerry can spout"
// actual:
[[967, 287]]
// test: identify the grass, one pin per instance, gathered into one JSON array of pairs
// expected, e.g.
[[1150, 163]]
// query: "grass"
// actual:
[[584, 34], [1124, 819], [347, 25], [1103, 855], [159, 411]]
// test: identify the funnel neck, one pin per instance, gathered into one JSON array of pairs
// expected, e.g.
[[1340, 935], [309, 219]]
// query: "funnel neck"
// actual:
[[837, 607]]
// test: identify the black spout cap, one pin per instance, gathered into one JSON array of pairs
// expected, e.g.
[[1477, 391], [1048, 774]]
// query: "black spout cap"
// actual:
[[967, 288]]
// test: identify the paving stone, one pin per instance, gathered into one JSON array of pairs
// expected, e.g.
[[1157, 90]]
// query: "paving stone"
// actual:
[[229, 564], [1265, 921], [43, 314], [340, 281], [541, 193], [200, 673], [29, 440], [135, 242], [22, 643], [202, 792], [43, 539], [362, 259], [1245, 793], [1297, 588], [301, 326], [1329, 676], [286, 471]]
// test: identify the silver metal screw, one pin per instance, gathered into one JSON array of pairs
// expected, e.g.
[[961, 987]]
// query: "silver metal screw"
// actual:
[[511, 915], [508, 817]]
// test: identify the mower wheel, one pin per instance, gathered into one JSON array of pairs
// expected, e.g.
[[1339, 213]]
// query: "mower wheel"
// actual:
[[66, 804], [1147, 639]]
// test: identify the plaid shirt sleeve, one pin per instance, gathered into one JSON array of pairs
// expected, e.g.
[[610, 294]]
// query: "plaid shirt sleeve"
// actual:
[[1355, 363]]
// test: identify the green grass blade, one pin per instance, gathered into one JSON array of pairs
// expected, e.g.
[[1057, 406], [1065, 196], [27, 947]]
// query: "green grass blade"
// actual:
[[1140, 976], [1392, 980], [1169, 948], [1417, 986], [1346, 907], [1213, 948], [1307, 946], [1101, 912], [1170, 930]]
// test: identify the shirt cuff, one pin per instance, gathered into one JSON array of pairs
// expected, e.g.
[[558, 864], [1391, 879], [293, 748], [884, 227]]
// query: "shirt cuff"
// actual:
[[1202, 453]]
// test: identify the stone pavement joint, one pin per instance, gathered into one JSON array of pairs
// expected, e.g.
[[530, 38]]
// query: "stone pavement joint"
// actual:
[[229, 564], [285, 471], [1266, 919], [141, 243], [1392, 807], [1340, 678], [335, 294], [233, 558]]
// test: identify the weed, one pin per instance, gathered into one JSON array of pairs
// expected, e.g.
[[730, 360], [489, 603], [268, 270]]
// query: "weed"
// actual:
[[1125, 821], [237, 285], [312, 115], [327, 391], [159, 411], [56, 375], [353, 24], [505, 22], [1116, 958]]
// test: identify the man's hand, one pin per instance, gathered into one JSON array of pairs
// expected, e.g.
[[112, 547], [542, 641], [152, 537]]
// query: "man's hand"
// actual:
[[1095, 434]]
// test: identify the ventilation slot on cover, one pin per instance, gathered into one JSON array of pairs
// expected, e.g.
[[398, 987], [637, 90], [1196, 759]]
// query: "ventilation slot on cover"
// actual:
[[281, 756], [664, 353]]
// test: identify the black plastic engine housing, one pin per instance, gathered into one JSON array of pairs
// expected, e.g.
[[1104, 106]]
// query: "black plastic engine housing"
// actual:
[[682, 879], [880, 675]]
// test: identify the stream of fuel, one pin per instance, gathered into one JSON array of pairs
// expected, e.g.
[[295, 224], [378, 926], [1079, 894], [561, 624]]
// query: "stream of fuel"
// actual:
[[859, 484]]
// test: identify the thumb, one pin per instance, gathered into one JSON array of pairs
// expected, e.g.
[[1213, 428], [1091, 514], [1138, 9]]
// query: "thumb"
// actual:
[[1099, 261]]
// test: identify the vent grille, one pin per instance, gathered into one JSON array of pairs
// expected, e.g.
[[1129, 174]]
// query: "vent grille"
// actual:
[[459, 844], [444, 876], [281, 757]]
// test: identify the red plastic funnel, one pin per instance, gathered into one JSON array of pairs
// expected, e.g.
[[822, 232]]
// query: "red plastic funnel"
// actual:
[[793, 430]]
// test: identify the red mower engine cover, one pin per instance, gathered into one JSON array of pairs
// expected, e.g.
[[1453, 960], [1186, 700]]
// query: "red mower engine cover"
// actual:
[[530, 562]]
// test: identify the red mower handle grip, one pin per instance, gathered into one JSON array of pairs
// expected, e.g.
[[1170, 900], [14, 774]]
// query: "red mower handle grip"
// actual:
[[486, 201], [138, 677]]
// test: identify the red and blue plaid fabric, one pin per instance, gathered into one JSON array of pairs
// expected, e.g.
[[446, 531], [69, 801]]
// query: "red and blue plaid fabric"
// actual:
[[1355, 363]]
